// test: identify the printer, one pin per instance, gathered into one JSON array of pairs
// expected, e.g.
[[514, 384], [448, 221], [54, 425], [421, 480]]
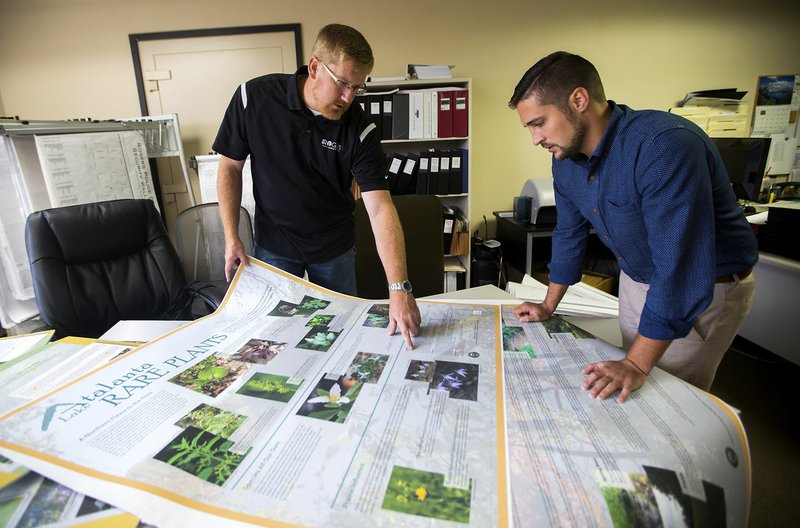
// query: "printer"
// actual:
[[542, 201]]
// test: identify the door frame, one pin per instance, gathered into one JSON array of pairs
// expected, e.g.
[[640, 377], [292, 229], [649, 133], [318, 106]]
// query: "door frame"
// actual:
[[135, 38]]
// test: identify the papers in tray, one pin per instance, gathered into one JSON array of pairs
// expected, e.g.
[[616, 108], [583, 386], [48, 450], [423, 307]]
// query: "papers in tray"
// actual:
[[581, 299]]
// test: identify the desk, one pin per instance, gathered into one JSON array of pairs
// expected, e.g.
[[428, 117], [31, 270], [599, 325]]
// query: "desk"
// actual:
[[528, 246], [772, 322]]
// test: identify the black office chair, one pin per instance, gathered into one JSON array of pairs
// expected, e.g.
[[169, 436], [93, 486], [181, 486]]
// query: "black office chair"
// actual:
[[200, 241], [99, 263], [421, 218]]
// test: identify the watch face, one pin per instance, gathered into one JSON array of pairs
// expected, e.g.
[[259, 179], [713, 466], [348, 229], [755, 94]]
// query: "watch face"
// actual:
[[406, 285]]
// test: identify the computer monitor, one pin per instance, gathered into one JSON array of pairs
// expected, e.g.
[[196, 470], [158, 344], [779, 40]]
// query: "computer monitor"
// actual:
[[745, 160]]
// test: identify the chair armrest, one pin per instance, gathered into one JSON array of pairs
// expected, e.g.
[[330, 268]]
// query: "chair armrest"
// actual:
[[211, 292]]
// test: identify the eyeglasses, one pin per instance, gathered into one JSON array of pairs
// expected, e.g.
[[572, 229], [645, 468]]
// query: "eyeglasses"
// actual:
[[360, 89]]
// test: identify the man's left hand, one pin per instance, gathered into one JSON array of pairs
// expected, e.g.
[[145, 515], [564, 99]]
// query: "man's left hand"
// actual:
[[404, 314], [605, 377]]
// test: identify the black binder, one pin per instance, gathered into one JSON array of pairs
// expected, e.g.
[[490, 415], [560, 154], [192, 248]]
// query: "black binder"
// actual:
[[444, 172], [386, 116], [400, 115], [395, 164], [433, 177], [374, 113], [407, 179], [456, 175], [423, 173]]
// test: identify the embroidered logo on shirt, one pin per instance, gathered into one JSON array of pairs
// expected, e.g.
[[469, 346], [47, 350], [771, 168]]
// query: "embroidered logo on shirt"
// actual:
[[331, 145]]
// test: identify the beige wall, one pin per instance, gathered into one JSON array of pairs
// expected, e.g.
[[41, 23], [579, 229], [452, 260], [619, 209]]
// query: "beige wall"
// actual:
[[64, 59]]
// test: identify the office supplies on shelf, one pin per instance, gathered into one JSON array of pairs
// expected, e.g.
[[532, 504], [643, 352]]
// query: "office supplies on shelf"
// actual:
[[436, 160], [429, 71]]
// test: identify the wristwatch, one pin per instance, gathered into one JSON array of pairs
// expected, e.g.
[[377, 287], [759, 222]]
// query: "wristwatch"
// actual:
[[400, 286]]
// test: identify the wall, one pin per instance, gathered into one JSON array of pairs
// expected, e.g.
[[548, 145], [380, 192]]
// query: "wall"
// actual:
[[71, 58]]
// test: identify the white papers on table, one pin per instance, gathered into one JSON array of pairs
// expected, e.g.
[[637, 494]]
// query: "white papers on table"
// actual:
[[580, 299]]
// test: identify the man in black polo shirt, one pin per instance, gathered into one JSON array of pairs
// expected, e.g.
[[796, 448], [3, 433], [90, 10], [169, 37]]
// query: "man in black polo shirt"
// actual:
[[307, 142]]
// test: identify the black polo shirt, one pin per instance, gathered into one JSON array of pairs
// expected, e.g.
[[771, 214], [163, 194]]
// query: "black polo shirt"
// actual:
[[302, 166]]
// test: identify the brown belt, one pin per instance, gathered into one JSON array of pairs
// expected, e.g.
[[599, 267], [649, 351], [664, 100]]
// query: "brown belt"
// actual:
[[731, 277]]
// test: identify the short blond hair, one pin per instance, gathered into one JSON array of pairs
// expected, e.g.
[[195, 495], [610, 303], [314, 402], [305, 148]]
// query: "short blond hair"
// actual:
[[337, 43]]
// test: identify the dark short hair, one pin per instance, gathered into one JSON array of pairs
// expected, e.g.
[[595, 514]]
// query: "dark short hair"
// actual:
[[337, 43], [553, 79]]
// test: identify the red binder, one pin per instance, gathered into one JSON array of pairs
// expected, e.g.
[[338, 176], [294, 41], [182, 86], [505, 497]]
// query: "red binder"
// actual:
[[461, 113], [445, 105]]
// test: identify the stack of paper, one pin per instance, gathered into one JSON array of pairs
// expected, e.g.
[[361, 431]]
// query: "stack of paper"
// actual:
[[581, 299]]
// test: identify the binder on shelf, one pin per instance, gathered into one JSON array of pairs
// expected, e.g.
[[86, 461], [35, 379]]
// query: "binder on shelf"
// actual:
[[456, 176], [423, 173], [428, 111], [464, 170], [461, 113], [375, 112], [407, 178], [401, 114], [393, 172], [445, 113], [433, 176], [415, 116], [433, 95], [387, 116], [444, 172]]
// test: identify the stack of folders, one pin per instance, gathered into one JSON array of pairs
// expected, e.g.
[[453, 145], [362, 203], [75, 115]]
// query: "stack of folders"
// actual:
[[433, 171], [418, 114], [456, 232]]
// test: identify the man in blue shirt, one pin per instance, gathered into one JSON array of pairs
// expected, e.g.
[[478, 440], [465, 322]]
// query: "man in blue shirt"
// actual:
[[307, 142], [655, 190]]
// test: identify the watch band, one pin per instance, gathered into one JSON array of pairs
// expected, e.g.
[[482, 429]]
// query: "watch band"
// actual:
[[400, 286]]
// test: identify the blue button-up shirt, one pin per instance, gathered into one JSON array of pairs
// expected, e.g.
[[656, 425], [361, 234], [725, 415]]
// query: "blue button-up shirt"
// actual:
[[658, 195]]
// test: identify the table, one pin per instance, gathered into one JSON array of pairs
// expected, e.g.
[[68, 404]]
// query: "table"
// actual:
[[578, 460]]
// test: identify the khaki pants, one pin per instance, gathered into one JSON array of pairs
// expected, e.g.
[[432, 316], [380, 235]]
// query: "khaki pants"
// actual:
[[694, 358]]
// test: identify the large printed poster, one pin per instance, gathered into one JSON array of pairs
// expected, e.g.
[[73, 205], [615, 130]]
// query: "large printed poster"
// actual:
[[291, 405]]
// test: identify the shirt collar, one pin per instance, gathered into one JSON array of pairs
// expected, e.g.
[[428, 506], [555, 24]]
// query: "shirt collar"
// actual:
[[293, 99], [605, 142]]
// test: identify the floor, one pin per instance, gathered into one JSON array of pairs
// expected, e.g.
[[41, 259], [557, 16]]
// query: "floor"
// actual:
[[760, 385]]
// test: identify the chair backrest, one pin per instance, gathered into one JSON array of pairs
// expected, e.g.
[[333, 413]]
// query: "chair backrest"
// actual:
[[201, 241], [421, 218], [98, 263]]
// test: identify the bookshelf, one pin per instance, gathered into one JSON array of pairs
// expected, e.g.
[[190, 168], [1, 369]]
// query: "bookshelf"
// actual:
[[391, 105]]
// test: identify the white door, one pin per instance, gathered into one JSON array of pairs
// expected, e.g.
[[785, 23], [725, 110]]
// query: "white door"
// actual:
[[195, 78]]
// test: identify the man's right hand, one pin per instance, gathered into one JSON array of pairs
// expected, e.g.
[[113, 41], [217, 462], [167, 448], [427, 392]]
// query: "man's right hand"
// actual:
[[234, 257], [529, 312]]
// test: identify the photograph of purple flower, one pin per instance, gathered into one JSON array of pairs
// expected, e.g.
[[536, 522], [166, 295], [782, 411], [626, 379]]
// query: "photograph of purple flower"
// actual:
[[459, 379]]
